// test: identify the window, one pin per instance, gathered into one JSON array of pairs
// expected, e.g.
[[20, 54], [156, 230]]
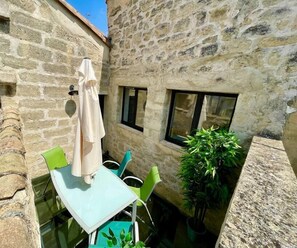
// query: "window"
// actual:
[[134, 101], [196, 110]]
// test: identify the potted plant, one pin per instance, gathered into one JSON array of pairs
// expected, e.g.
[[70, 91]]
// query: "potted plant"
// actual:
[[208, 156], [124, 240]]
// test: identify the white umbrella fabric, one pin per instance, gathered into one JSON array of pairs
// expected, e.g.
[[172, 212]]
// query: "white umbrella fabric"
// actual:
[[87, 153]]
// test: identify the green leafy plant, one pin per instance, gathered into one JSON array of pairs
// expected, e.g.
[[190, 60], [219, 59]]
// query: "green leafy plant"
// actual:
[[208, 156], [124, 240]]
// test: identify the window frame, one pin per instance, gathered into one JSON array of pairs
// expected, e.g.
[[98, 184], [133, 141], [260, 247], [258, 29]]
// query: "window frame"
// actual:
[[197, 112], [132, 125]]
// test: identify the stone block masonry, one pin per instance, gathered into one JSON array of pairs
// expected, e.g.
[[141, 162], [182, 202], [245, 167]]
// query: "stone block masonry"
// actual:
[[42, 49], [242, 47], [25, 33], [42, 44], [262, 212], [18, 225]]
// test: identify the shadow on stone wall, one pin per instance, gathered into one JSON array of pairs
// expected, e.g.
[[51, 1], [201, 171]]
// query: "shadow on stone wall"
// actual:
[[290, 135], [70, 107]]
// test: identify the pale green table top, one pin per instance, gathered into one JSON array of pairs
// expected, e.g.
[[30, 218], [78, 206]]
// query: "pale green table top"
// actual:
[[92, 205]]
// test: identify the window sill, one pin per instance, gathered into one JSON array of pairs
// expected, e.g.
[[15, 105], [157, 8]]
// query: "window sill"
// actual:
[[131, 129], [171, 146]]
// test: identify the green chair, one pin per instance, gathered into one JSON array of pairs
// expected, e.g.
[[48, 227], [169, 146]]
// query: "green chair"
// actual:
[[122, 166], [54, 158], [146, 189], [117, 227]]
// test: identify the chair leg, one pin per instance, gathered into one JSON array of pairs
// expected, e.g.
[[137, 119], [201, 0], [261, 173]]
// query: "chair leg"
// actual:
[[45, 188], [151, 219], [130, 215], [53, 191], [149, 214]]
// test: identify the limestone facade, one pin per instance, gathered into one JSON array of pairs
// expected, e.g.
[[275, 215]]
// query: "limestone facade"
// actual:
[[262, 212], [236, 46], [232, 46], [42, 44], [18, 221]]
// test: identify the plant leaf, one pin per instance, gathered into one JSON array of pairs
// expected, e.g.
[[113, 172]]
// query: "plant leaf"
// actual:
[[114, 241], [105, 235], [110, 232], [109, 243], [122, 234], [128, 237]]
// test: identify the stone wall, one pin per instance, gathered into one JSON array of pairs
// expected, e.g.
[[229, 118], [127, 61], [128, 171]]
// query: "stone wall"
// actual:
[[262, 212], [42, 44], [230, 46], [18, 221], [290, 135]]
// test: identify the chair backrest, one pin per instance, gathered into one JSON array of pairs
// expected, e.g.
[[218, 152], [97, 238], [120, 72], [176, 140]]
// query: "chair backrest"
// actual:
[[126, 159], [55, 158], [150, 182]]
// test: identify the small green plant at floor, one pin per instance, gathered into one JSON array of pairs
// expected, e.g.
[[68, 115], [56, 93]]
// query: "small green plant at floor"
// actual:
[[125, 240], [209, 156]]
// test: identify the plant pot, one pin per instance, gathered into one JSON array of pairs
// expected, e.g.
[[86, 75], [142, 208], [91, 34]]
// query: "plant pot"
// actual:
[[193, 234]]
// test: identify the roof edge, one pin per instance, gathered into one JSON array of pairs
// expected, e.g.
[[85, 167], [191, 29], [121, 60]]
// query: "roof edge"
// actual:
[[74, 12]]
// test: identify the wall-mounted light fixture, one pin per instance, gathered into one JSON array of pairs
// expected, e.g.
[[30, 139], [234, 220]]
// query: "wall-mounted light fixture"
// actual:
[[72, 91]]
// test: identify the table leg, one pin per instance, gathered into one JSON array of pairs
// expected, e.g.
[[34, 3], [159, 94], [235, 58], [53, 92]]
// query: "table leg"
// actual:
[[92, 237]]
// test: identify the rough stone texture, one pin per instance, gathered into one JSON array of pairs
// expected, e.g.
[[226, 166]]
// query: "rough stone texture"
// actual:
[[18, 226], [8, 82], [39, 59], [10, 184], [25, 33], [290, 134], [236, 46], [26, 50], [11, 143], [8, 77], [14, 233], [26, 5], [262, 212], [29, 21], [4, 9]]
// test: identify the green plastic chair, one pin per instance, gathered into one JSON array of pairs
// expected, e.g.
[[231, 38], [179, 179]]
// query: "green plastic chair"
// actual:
[[122, 166], [116, 227], [146, 189], [54, 159]]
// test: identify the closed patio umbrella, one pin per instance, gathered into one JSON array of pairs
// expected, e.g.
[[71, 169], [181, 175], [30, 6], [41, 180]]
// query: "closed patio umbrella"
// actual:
[[87, 153]]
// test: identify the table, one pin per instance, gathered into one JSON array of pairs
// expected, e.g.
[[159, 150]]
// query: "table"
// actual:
[[92, 205]]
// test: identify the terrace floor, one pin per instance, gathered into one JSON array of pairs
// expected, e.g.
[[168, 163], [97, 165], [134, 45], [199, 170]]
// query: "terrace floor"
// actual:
[[58, 229]]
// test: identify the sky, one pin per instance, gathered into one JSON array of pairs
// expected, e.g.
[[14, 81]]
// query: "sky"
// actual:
[[93, 10]]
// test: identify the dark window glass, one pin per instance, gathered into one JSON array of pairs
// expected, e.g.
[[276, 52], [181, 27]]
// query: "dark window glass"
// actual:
[[182, 115], [134, 101], [195, 110]]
